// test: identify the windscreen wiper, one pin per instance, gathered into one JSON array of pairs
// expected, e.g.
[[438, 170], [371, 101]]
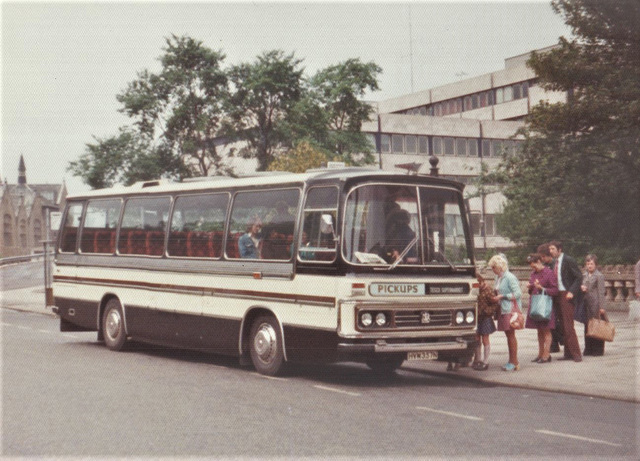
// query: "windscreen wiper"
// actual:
[[404, 253]]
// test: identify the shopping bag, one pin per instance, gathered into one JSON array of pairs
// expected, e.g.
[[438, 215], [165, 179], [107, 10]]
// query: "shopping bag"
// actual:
[[601, 329], [541, 306]]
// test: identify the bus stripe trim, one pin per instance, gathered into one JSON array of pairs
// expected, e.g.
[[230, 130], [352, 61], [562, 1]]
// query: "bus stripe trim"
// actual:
[[295, 298]]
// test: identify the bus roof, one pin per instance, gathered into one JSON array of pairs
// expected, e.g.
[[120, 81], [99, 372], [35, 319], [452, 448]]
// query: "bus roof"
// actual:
[[163, 186]]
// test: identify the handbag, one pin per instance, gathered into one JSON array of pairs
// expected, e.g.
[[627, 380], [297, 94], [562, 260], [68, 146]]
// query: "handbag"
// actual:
[[541, 306], [517, 319], [601, 328]]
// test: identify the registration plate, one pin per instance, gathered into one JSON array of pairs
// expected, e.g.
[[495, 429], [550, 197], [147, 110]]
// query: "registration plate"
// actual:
[[424, 355]]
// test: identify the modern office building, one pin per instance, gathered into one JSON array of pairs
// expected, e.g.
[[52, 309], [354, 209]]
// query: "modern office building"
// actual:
[[465, 124]]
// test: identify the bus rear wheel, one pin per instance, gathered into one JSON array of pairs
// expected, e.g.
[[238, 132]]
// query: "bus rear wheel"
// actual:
[[113, 325], [266, 347]]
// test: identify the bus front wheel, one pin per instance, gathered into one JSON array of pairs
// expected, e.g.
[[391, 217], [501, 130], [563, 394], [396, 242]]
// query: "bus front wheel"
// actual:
[[113, 326], [266, 346]]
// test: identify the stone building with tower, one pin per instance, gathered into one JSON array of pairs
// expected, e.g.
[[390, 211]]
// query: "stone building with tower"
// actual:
[[24, 209]]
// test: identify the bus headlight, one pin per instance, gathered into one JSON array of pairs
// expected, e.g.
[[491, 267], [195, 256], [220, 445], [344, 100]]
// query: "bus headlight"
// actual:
[[470, 317], [366, 319], [459, 317], [381, 319]]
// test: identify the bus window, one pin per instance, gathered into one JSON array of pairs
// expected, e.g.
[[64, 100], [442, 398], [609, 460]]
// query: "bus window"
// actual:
[[99, 227], [143, 226], [366, 240], [317, 241], [70, 228], [261, 224], [197, 226]]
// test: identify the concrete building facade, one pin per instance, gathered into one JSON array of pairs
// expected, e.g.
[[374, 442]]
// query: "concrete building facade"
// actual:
[[465, 124]]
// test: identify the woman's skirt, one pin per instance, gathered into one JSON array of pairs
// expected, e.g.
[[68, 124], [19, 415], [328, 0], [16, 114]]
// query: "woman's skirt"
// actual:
[[504, 322], [486, 326], [532, 323]]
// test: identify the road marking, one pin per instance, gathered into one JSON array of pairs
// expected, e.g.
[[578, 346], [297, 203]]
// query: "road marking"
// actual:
[[275, 378], [339, 391], [577, 437], [44, 331], [449, 413]]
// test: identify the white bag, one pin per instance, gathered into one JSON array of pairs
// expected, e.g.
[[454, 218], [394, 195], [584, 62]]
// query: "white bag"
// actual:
[[634, 310]]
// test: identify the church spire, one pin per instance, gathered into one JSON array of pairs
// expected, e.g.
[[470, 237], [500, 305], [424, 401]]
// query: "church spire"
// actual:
[[22, 171]]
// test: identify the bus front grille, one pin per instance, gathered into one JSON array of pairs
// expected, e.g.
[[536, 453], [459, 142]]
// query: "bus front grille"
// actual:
[[423, 318]]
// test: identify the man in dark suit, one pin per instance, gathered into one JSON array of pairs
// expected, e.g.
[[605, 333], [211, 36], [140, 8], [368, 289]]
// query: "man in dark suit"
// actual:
[[569, 281], [556, 334]]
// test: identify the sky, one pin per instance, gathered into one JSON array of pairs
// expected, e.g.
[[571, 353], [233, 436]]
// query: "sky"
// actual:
[[62, 64]]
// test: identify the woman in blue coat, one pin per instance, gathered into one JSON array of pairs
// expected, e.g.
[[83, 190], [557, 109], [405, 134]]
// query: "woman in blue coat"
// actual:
[[509, 295]]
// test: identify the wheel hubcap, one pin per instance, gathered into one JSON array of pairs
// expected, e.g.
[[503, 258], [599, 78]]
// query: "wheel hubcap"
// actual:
[[265, 343], [113, 324]]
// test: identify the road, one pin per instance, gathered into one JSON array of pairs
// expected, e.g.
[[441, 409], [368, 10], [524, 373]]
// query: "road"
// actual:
[[65, 394]]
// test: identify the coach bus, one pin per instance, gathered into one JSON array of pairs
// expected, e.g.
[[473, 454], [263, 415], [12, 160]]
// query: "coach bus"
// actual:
[[331, 265]]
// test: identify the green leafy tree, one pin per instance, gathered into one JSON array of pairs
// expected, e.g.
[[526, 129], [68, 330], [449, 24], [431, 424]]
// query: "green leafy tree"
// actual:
[[332, 110], [299, 159], [182, 106], [340, 90], [263, 96], [124, 159], [578, 176]]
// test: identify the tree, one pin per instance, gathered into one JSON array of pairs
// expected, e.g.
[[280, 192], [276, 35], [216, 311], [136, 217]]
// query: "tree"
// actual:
[[340, 90], [264, 94], [182, 106], [298, 160], [124, 159], [578, 176], [331, 112]]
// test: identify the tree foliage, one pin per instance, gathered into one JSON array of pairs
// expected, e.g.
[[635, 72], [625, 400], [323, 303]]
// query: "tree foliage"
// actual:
[[264, 95], [181, 107], [578, 176], [339, 91], [299, 159], [182, 114]]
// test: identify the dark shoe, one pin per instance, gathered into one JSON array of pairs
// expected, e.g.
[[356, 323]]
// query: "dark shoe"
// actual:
[[536, 359], [555, 348], [481, 366], [547, 360]]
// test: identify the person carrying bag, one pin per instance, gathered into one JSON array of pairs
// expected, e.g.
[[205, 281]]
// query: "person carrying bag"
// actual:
[[543, 284]]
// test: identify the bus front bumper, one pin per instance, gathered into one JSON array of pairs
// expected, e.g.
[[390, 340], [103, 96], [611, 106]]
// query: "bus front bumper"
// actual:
[[383, 347]]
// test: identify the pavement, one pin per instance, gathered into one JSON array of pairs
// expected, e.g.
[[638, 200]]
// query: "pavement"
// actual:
[[616, 375]]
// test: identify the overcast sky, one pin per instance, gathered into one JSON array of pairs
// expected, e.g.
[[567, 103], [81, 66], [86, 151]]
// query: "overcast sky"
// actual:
[[64, 63]]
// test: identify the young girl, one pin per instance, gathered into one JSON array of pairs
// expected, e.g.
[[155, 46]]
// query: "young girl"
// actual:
[[487, 309]]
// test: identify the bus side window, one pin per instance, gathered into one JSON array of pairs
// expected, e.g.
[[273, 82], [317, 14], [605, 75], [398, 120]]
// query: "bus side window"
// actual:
[[263, 217], [143, 226], [70, 229], [197, 226], [99, 226], [317, 238]]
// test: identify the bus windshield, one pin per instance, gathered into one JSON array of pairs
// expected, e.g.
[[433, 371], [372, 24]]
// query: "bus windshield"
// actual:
[[391, 225]]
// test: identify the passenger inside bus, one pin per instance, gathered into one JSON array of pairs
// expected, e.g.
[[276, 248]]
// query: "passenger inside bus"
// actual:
[[249, 243], [398, 236]]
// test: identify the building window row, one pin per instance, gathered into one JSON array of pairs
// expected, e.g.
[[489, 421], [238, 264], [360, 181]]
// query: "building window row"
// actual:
[[489, 224], [447, 146], [474, 101]]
